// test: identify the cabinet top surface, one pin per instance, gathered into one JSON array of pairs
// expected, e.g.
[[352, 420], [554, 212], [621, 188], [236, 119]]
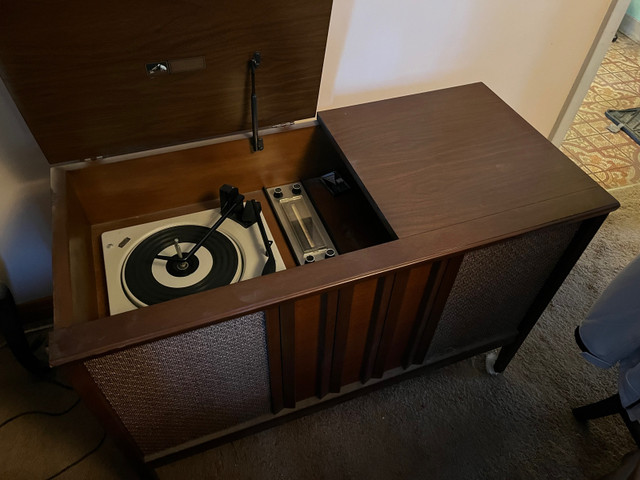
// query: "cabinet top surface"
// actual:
[[441, 158]]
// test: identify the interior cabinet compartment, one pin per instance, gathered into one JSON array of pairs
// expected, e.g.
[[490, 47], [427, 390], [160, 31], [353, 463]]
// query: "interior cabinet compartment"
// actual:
[[102, 196], [352, 222]]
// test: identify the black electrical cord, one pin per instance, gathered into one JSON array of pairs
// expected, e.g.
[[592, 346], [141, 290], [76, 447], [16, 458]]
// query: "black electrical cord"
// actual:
[[90, 452], [53, 381], [40, 412], [57, 414]]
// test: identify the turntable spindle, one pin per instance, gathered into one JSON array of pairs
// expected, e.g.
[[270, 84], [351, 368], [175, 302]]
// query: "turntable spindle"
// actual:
[[181, 265], [176, 243]]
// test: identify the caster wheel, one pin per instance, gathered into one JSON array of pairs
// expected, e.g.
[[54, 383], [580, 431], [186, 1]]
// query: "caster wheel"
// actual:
[[490, 361]]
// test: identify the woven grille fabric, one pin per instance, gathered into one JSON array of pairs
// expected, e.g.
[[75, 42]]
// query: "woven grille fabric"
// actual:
[[495, 287], [183, 387]]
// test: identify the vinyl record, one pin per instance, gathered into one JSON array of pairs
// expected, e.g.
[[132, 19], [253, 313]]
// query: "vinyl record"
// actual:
[[148, 280]]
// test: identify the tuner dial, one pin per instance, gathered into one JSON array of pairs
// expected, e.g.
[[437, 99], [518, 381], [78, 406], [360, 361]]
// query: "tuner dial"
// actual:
[[277, 192], [296, 189]]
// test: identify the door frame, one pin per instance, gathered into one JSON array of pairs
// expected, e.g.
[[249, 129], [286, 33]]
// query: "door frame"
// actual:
[[590, 66]]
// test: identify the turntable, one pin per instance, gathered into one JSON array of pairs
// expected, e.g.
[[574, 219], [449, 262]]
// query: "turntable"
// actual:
[[158, 261]]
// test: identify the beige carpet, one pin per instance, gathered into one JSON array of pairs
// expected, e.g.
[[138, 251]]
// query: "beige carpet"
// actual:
[[457, 422]]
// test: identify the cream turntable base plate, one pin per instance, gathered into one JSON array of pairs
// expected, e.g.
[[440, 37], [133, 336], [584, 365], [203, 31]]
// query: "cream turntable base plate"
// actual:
[[147, 263]]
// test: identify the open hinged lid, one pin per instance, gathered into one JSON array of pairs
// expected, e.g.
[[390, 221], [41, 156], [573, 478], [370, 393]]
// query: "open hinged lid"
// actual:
[[79, 72]]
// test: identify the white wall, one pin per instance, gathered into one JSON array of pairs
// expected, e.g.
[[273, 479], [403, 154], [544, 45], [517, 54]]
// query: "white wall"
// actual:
[[527, 51]]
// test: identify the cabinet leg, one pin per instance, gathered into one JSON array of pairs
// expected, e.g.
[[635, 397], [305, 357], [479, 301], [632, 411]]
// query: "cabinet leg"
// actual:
[[603, 408], [505, 356]]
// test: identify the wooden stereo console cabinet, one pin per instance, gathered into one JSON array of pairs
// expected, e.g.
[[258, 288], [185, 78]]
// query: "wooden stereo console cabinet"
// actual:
[[461, 222]]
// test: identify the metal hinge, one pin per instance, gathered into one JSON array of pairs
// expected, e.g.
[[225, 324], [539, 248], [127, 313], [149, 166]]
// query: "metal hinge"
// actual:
[[284, 125]]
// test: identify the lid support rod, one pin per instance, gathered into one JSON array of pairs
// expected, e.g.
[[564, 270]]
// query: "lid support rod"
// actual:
[[256, 142]]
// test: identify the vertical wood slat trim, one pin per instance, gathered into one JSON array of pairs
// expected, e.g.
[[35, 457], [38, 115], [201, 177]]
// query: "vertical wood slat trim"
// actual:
[[374, 334], [288, 340], [424, 310], [345, 300], [442, 289], [272, 320], [326, 338], [572, 253], [390, 323]]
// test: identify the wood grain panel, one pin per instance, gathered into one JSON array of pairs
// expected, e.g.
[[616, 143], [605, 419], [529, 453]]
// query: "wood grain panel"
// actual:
[[79, 79], [393, 314], [75, 240], [443, 280], [360, 321], [384, 288], [307, 345], [274, 348], [343, 319], [288, 346], [406, 297], [328, 316], [61, 268], [143, 186], [459, 154]]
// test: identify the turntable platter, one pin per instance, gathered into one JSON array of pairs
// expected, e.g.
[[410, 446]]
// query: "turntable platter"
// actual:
[[147, 279]]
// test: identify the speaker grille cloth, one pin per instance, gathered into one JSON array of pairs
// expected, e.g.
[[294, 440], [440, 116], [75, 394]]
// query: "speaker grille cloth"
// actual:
[[495, 287], [183, 387]]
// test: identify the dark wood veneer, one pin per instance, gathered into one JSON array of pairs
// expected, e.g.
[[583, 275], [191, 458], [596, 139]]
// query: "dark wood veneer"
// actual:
[[436, 159], [288, 342], [272, 319], [343, 318], [442, 281], [363, 306], [384, 288], [328, 317]]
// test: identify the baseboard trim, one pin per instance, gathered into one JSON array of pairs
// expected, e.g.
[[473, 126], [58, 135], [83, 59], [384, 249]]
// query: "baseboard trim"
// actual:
[[630, 27], [36, 312]]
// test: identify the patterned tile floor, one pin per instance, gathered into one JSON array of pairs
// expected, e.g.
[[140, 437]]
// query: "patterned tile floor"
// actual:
[[612, 159]]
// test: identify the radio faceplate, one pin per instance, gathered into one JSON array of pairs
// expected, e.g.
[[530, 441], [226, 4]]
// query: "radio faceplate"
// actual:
[[303, 228]]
